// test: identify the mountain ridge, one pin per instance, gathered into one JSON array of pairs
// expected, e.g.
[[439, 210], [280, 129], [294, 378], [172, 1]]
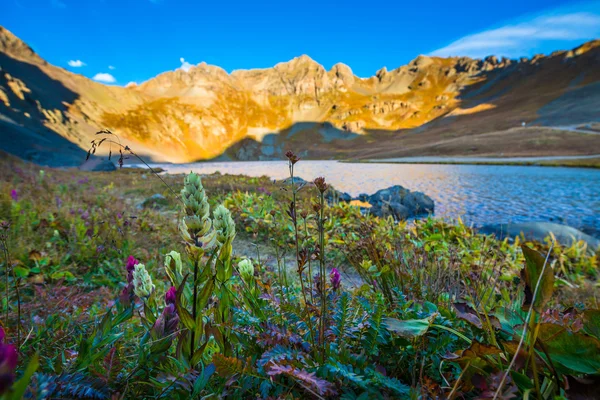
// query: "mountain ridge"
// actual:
[[205, 112]]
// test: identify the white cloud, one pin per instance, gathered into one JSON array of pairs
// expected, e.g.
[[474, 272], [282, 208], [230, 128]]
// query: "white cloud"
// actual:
[[526, 37], [131, 84], [111, 67], [185, 65], [76, 63], [104, 77]]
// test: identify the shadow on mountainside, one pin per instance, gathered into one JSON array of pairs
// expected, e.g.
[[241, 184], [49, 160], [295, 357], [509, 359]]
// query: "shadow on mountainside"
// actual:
[[309, 139], [34, 98]]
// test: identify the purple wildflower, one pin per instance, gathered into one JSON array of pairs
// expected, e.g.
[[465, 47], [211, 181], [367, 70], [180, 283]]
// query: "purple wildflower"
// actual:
[[131, 263], [8, 363], [336, 280], [166, 324], [58, 202], [171, 295], [14, 195]]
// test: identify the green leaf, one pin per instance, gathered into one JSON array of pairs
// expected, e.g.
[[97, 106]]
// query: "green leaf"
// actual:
[[62, 275], [534, 264], [522, 381], [21, 272], [410, 328], [19, 388], [184, 314], [149, 314], [202, 380], [572, 350], [591, 323]]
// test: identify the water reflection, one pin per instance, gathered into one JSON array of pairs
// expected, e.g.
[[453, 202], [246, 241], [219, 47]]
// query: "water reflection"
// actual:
[[479, 194]]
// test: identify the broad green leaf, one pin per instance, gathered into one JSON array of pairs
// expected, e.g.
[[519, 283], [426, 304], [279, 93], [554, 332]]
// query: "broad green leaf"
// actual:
[[534, 264], [572, 350], [409, 329], [591, 323], [21, 272]]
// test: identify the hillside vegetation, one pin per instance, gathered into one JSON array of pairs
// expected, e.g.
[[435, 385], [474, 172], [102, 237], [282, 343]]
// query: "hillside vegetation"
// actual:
[[123, 285]]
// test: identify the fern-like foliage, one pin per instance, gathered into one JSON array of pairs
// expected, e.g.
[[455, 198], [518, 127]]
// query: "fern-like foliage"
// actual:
[[376, 334], [69, 386], [307, 380]]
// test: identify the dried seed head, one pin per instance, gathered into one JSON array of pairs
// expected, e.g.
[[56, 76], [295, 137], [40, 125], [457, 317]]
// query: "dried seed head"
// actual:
[[320, 184], [316, 207], [293, 158]]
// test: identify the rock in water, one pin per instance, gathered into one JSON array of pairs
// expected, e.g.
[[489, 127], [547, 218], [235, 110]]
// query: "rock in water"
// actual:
[[538, 231], [399, 202], [418, 203], [98, 165]]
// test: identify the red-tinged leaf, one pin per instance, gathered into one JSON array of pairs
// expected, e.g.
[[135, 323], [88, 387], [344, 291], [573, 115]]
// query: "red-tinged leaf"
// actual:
[[467, 313]]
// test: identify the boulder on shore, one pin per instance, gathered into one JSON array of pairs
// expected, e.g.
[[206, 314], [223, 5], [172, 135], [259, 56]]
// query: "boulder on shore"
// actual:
[[538, 231], [399, 202], [395, 201]]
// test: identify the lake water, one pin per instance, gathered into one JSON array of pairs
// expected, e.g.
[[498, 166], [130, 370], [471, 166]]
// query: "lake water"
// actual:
[[479, 194]]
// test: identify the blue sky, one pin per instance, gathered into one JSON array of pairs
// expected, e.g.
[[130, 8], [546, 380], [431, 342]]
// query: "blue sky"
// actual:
[[121, 41]]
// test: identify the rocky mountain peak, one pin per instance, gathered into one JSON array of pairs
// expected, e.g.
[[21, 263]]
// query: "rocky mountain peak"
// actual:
[[13, 46]]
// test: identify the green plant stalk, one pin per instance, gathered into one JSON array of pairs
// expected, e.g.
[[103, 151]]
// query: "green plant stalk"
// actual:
[[7, 272], [310, 279], [194, 311], [534, 329], [296, 239], [322, 269]]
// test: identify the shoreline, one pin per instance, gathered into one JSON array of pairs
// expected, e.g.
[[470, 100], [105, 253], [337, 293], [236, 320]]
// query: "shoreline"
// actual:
[[588, 162]]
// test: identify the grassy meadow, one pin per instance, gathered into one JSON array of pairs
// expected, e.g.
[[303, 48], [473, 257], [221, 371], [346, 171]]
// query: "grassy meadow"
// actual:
[[120, 285]]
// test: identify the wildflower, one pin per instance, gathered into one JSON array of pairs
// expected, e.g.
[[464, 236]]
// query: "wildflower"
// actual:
[[167, 323], [246, 269], [320, 184], [223, 224], [58, 202], [8, 363], [15, 195], [196, 227], [293, 158], [171, 295], [142, 282], [335, 278], [131, 263]]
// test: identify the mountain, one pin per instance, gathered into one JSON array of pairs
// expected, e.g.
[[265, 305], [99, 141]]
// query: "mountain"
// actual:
[[432, 106]]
